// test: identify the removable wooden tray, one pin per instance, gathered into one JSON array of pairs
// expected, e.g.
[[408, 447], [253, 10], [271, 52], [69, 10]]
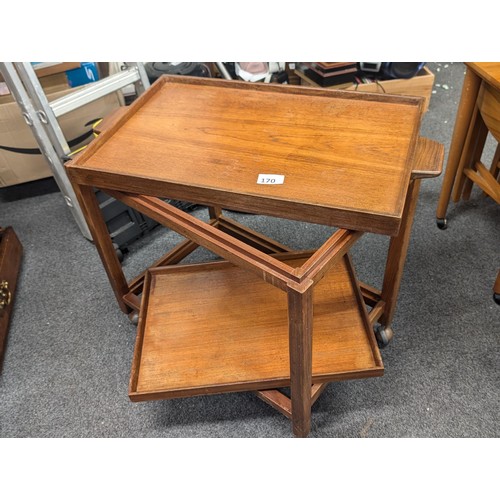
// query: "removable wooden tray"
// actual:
[[207, 140], [213, 328]]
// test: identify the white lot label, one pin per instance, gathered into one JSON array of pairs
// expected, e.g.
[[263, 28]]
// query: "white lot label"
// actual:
[[270, 179]]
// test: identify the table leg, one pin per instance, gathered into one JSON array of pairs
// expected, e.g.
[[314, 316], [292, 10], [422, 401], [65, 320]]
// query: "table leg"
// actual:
[[471, 155], [300, 319], [495, 164], [470, 91], [396, 256], [103, 243], [496, 289]]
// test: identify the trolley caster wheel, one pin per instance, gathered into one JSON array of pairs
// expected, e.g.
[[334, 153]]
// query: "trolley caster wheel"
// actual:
[[496, 298], [118, 252], [383, 335], [442, 223], [134, 317]]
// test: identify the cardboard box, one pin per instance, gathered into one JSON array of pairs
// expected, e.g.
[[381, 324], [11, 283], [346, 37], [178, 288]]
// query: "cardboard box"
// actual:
[[18, 164], [50, 83], [43, 70], [419, 85]]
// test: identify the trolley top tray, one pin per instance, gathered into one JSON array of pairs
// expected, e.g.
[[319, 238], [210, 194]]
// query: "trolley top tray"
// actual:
[[346, 157]]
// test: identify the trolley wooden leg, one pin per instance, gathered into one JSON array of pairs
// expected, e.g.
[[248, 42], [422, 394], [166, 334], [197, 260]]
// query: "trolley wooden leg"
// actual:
[[396, 256], [103, 243], [300, 315], [470, 91], [214, 212]]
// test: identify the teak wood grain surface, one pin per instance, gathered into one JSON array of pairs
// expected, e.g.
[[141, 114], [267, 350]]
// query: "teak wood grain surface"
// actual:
[[209, 328], [346, 157]]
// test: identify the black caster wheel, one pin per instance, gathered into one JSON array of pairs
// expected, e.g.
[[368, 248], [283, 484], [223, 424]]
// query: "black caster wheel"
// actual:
[[496, 298], [442, 223], [134, 317], [118, 251], [383, 335]]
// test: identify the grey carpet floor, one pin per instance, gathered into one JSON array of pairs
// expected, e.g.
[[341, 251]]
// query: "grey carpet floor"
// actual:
[[69, 351]]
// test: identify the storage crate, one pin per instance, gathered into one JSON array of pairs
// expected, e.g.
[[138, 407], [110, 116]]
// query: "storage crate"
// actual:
[[125, 225]]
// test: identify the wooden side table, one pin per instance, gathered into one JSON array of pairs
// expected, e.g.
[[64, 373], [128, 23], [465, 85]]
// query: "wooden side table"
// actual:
[[469, 137], [267, 317], [476, 73]]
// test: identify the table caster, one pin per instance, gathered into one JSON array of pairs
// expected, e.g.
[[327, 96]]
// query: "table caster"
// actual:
[[383, 335], [442, 223], [496, 298], [134, 317]]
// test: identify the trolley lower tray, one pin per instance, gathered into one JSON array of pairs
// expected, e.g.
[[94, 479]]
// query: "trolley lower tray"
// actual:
[[213, 328]]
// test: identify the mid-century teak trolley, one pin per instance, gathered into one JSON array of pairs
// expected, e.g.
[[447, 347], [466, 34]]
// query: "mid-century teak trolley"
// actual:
[[265, 316]]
